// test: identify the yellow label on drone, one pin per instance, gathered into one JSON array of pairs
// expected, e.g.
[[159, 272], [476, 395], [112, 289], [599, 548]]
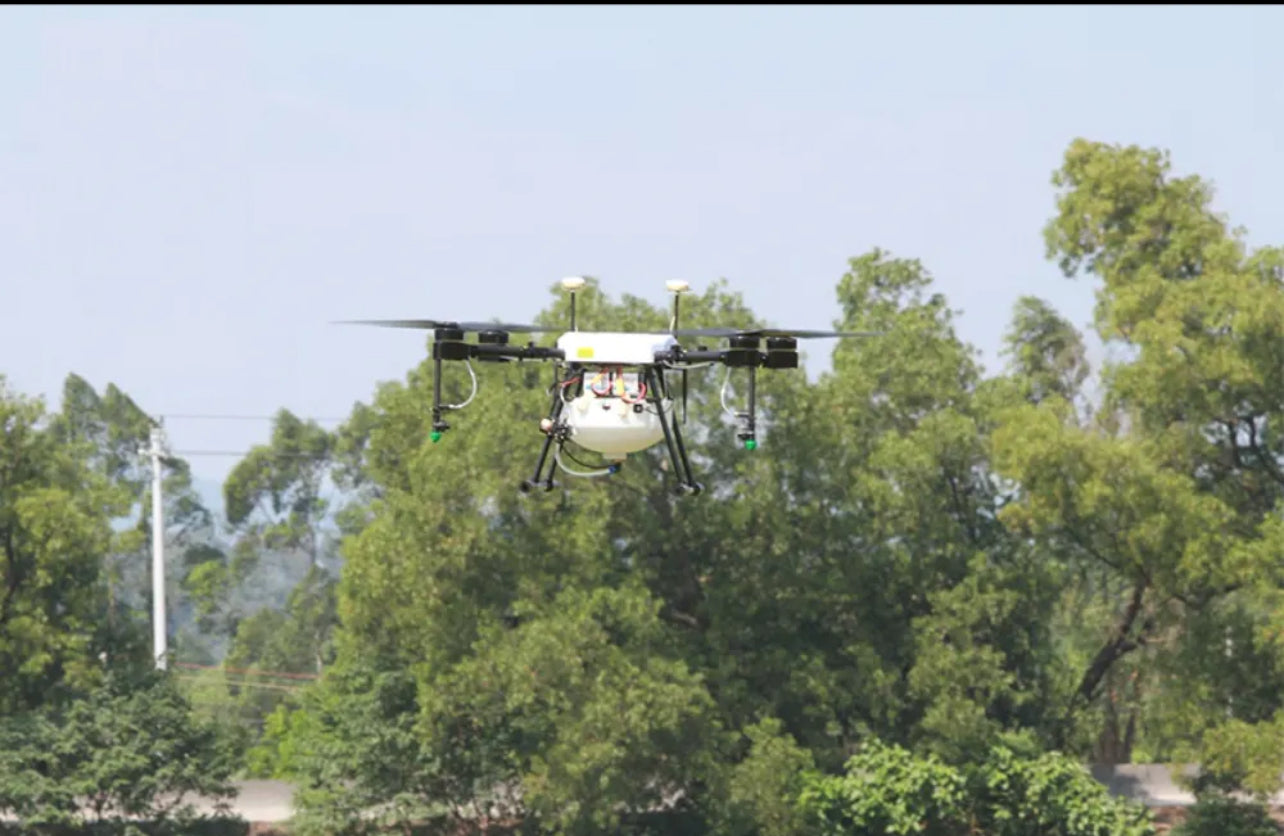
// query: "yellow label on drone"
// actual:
[[584, 352]]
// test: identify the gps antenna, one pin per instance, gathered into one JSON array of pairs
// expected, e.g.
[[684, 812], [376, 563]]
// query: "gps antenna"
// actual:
[[572, 284], [677, 287]]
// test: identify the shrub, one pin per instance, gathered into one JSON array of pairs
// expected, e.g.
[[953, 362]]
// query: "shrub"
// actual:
[[888, 790], [1223, 816]]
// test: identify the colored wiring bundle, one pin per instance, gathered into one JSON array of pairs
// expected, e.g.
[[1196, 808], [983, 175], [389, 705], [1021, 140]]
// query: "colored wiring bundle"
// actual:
[[614, 380], [608, 382]]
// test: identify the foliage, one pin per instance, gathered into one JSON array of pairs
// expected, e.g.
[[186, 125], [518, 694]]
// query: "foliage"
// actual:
[[926, 595], [1192, 410], [276, 652], [764, 787], [1222, 816], [109, 431], [856, 579], [888, 790], [1047, 355], [1239, 756], [1049, 794], [351, 747], [127, 748], [55, 528], [275, 493], [294, 639], [586, 708]]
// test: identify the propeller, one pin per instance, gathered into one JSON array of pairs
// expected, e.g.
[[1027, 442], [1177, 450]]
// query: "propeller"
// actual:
[[767, 332], [434, 324]]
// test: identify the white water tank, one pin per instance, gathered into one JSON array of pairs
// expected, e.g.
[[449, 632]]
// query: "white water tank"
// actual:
[[613, 427]]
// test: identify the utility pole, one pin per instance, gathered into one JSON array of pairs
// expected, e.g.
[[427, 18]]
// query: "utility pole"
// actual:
[[155, 450]]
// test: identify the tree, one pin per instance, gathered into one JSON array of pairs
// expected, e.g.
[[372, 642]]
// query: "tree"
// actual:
[[127, 748], [765, 787], [934, 616], [55, 528], [274, 651], [916, 553], [275, 492], [886, 789], [1047, 352], [810, 591], [86, 719], [1178, 515], [294, 639], [277, 507], [112, 430]]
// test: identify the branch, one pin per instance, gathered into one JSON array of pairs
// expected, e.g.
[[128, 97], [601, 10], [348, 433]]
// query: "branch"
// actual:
[[1118, 646], [1271, 466], [964, 518], [1080, 541], [685, 618], [1232, 435], [14, 575]]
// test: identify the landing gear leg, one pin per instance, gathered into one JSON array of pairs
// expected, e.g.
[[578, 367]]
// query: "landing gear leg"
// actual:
[[673, 439], [551, 437]]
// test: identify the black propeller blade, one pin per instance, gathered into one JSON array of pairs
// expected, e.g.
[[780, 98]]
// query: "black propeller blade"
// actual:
[[768, 332], [434, 324]]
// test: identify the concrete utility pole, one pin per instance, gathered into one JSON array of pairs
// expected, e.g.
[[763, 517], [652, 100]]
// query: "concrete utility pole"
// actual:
[[155, 450]]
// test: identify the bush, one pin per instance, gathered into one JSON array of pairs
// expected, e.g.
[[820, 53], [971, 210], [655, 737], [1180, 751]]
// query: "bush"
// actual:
[[130, 749], [1049, 794], [1224, 816], [887, 790]]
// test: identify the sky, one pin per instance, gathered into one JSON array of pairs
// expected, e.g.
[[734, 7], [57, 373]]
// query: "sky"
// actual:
[[190, 195]]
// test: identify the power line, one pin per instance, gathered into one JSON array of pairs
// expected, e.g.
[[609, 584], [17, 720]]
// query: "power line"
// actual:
[[246, 671], [194, 416], [271, 686], [240, 454]]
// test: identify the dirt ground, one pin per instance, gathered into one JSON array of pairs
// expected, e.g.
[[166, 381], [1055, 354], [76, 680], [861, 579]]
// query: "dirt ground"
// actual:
[[276, 829], [1166, 818]]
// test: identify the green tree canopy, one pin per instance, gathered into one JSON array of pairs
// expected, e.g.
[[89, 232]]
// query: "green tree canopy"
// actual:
[[56, 512]]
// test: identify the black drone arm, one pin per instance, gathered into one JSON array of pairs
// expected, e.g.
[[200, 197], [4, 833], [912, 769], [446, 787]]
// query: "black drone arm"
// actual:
[[679, 355], [482, 351], [743, 353], [492, 346]]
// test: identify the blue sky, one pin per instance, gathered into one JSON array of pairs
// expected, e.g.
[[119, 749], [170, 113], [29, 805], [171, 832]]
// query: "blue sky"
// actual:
[[189, 195]]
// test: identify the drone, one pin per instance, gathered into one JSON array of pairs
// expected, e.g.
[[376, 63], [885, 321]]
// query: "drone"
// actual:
[[611, 390]]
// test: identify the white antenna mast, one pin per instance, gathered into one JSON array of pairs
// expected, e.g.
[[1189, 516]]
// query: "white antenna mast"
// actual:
[[572, 284], [155, 449], [677, 287]]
